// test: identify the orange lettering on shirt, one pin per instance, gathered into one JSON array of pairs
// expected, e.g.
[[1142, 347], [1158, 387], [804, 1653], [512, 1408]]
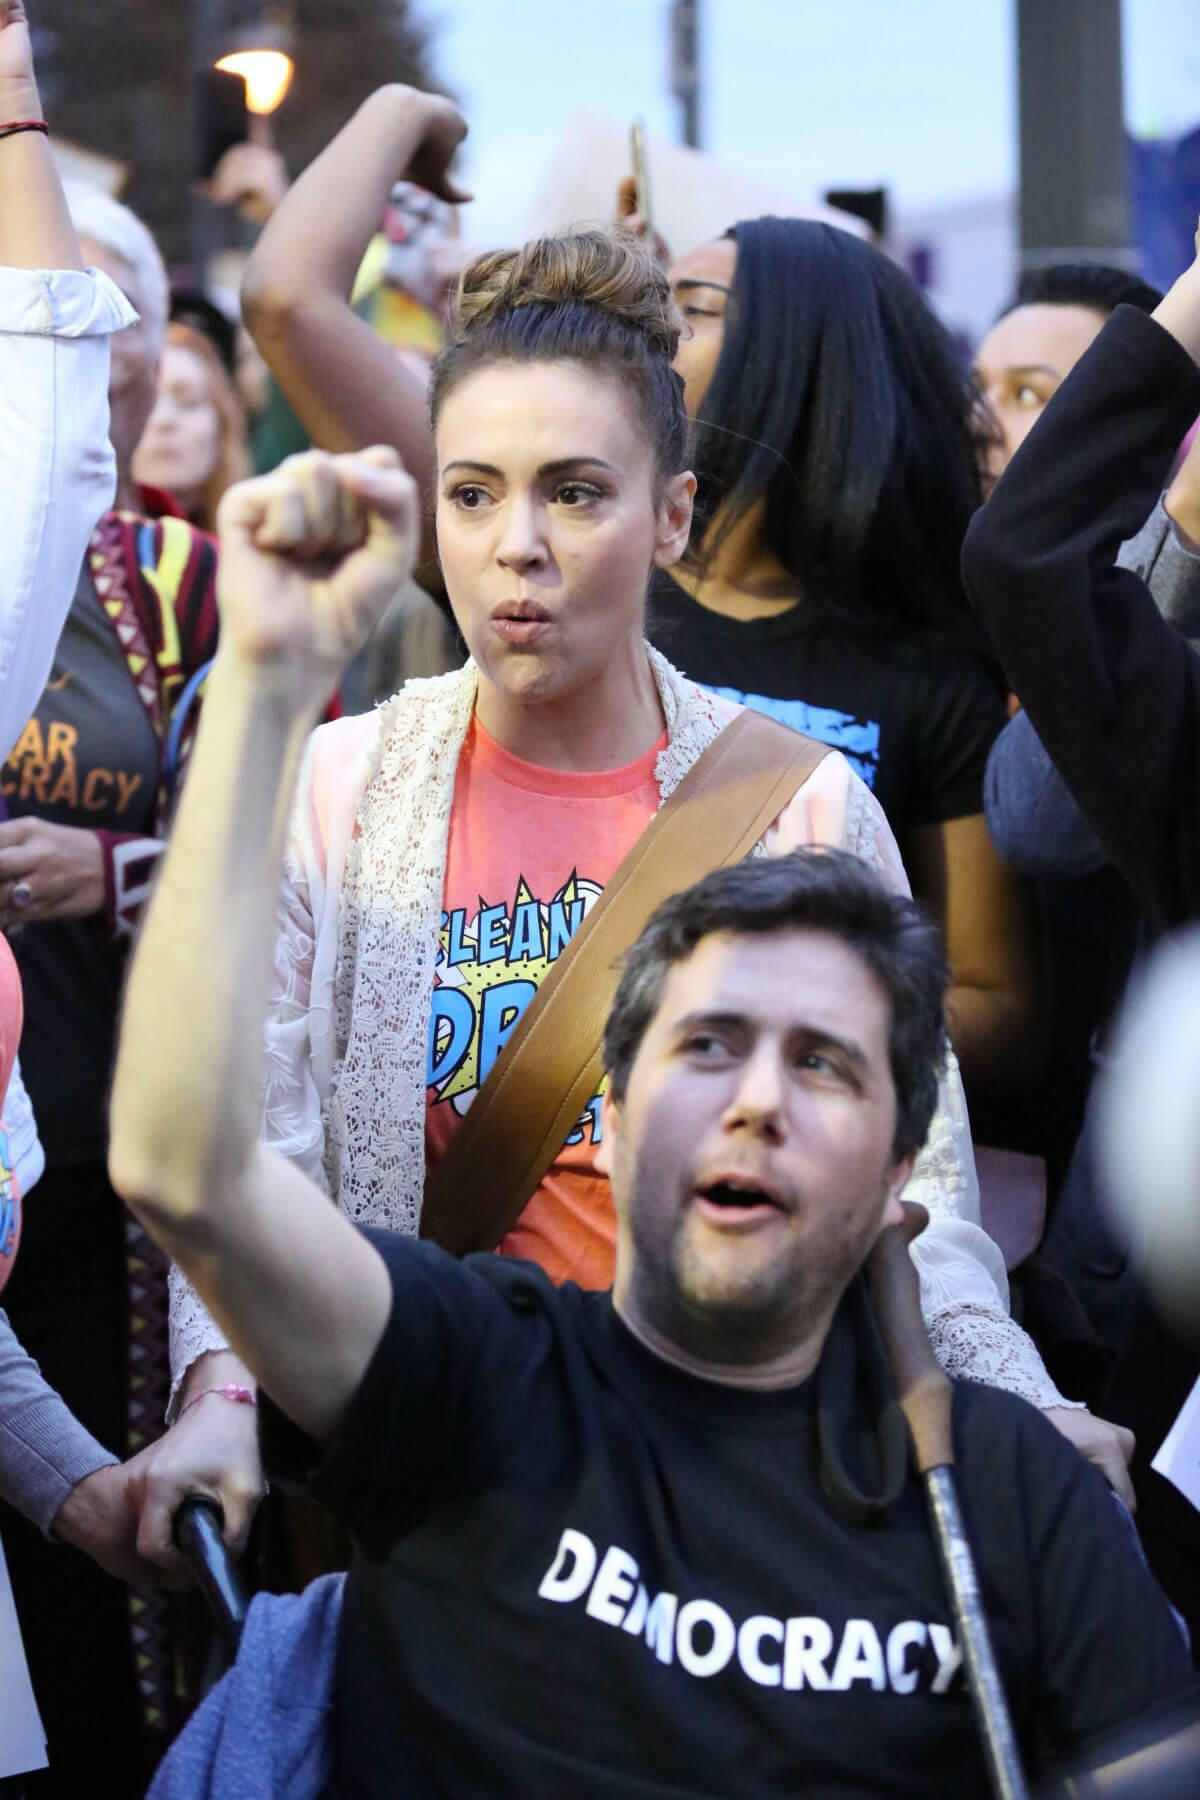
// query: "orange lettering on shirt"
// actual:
[[65, 791], [93, 799], [29, 744], [61, 740], [127, 787], [34, 776]]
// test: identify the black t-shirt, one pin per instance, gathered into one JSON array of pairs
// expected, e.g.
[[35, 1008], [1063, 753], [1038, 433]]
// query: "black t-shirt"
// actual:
[[88, 758], [581, 1571], [915, 718]]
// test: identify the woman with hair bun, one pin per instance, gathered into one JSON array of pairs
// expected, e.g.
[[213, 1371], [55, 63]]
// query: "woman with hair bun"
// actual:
[[445, 847]]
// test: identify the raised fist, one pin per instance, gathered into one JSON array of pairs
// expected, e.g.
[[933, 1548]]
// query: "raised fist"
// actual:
[[311, 557]]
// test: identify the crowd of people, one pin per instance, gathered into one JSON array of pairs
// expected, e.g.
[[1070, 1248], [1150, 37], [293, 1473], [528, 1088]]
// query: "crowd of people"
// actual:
[[452, 1133]]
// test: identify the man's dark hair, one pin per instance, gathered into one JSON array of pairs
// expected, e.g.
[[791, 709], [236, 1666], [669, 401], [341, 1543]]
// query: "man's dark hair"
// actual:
[[1097, 285], [810, 890], [842, 402]]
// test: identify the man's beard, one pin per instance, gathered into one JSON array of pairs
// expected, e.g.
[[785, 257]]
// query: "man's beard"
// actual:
[[722, 1312]]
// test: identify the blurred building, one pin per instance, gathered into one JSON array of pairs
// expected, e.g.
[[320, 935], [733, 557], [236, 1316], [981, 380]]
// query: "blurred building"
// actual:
[[694, 196], [963, 255]]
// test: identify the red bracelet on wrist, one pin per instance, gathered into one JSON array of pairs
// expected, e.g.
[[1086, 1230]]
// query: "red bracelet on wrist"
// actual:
[[241, 1396], [15, 125]]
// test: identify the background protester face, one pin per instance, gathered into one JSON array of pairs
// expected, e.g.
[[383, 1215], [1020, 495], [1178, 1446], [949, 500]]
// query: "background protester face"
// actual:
[[1036, 342], [702, 282], [830, 404], [115, 240], [194, 445]]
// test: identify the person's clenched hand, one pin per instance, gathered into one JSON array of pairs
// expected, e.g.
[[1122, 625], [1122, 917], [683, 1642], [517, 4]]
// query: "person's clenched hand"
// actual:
[[1110, 1447], [312, 556], [212, 1449]]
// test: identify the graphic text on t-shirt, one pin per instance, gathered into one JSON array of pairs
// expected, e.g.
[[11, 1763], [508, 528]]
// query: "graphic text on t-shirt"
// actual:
[[857, 739], [904, 1656], [490, 965]]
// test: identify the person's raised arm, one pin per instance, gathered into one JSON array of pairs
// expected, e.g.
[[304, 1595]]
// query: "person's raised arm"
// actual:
[[346, 385], [310, 557], [1110, 687], [57, 472], [35, 227]]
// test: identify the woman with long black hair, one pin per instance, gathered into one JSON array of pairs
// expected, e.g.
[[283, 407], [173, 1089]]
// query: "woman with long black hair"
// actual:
[[838, 467]]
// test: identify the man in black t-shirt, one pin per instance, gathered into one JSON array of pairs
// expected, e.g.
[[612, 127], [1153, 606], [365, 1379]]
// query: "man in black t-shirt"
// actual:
[[652, 1543]]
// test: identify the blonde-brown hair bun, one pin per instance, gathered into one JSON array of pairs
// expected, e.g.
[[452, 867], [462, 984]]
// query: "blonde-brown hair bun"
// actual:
[[606, 269], [593, 297]]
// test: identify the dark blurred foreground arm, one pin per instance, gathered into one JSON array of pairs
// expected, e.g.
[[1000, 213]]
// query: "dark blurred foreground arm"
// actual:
[[1110, 687], [1033, 820]]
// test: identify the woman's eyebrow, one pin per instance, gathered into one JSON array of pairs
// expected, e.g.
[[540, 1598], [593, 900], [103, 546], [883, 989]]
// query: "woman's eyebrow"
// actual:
[[564, 464], [560, 466], [718, 286]]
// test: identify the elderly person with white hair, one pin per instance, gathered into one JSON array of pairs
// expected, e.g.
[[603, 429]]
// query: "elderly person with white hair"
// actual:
[[86, 788]]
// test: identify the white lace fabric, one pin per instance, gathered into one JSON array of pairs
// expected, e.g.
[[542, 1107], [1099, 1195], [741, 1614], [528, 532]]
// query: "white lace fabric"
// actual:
[[352, 985]]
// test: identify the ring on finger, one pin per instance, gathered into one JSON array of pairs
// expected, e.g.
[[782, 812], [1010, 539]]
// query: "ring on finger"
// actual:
[[21, 896]]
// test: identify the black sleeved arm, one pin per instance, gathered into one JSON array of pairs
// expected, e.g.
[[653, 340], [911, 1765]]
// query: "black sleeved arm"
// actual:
[[1104, 1660], [1113, 1668], [1113, 691], [432, 1411]]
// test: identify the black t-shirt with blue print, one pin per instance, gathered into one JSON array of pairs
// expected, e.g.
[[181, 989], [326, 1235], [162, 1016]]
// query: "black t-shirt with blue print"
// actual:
[[583, 1572], [914, 718]]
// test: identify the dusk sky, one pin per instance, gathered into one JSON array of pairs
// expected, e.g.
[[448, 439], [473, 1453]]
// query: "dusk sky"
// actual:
[[918, 94]]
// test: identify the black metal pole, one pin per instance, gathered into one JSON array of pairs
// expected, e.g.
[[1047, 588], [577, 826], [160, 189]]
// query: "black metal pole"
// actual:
[[685, 66], [1074, 177], [206, 21]]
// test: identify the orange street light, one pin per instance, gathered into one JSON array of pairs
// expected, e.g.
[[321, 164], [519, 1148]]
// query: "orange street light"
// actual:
[[267, 74], [260, 51]]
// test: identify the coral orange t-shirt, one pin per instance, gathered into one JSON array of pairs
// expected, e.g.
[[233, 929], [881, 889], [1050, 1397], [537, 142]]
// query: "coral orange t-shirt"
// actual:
[[530, 852]]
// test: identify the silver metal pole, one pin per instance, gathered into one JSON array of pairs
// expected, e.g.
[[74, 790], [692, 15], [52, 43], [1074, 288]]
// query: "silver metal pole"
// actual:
[[983, 1676]]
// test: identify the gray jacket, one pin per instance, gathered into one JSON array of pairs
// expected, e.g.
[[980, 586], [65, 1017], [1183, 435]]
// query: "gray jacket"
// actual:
[[44, 1450], [1033, 819]]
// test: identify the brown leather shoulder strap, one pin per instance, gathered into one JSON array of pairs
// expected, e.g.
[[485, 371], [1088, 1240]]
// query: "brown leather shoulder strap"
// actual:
[[551, 1066]]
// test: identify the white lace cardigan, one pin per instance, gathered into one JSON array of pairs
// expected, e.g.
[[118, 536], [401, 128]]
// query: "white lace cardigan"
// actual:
[[349, 1016]]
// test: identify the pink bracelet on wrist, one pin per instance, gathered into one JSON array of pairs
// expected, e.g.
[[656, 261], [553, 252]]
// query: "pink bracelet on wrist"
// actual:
[[241, 1396]]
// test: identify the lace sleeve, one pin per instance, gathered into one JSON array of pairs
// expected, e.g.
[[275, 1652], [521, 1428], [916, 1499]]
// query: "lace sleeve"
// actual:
[[291, 1108], [291, 1113], [964, 1288], [193, 1331]]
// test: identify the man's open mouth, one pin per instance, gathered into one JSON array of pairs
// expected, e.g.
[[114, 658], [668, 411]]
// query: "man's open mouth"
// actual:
[[733, 1194]]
